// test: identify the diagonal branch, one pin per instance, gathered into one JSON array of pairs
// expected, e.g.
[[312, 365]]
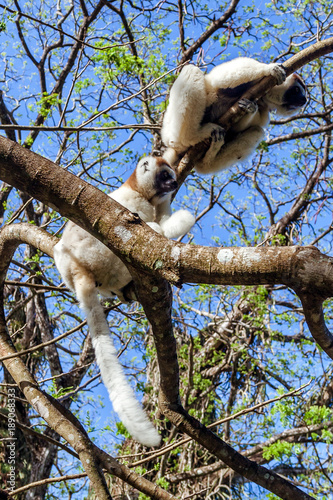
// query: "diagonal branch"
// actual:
[[305, 270], [303, 199], [215, 25], [158, 314]]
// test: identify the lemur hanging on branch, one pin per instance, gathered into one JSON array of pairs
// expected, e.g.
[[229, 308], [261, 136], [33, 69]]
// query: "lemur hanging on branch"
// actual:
[[197, 101], [88, 267]]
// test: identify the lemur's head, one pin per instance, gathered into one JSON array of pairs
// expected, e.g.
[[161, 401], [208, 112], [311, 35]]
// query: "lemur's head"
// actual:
[[288, 97], [154, 179]]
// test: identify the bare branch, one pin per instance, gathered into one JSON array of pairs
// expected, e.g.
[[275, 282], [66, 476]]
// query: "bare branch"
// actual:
[[215, 25]]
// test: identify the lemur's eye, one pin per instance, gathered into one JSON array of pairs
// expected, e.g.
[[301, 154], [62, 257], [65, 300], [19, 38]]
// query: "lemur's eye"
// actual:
[[165, 175]]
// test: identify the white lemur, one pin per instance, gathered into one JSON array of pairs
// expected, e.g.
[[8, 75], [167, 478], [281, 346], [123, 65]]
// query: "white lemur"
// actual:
[[197, 101], [87, 267]]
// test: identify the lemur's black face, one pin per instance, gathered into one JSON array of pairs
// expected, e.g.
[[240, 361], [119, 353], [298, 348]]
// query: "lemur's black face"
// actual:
[[165, 181], [295, 96], [154, 179]]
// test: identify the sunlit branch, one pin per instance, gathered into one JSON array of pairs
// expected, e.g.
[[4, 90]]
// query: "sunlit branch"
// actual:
[[178, 263]]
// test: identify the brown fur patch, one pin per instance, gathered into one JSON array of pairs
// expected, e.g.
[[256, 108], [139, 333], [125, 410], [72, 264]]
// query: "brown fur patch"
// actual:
[[132, 181], [161, 161]]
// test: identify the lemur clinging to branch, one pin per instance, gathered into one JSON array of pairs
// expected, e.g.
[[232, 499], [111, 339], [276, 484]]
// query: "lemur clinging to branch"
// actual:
[[197, 101]]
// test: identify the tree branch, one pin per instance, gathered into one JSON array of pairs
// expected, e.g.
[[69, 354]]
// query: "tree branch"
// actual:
[[158, 314], [215, 25], [305, 270]]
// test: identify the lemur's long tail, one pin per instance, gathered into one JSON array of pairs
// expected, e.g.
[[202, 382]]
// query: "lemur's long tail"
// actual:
[[121, 394]]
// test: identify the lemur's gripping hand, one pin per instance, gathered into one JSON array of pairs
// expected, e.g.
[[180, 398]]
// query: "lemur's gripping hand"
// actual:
[[249, 106], [217, 134], [279, 73]]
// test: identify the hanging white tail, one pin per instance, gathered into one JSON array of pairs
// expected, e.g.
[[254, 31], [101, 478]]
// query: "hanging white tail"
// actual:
[[121, 394]]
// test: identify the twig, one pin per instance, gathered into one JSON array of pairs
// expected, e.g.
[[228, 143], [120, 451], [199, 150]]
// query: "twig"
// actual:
[[218, 422]]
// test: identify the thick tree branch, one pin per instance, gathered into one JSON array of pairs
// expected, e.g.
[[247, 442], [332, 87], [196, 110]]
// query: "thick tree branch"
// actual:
[[305, 270], [169, 399]]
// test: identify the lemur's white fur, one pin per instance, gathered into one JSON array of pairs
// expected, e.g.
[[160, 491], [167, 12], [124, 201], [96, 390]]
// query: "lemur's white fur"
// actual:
[[197, 101], [88, 267]]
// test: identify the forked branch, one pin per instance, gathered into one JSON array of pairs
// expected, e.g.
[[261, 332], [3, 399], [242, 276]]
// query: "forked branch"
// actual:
[[305, 270]]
